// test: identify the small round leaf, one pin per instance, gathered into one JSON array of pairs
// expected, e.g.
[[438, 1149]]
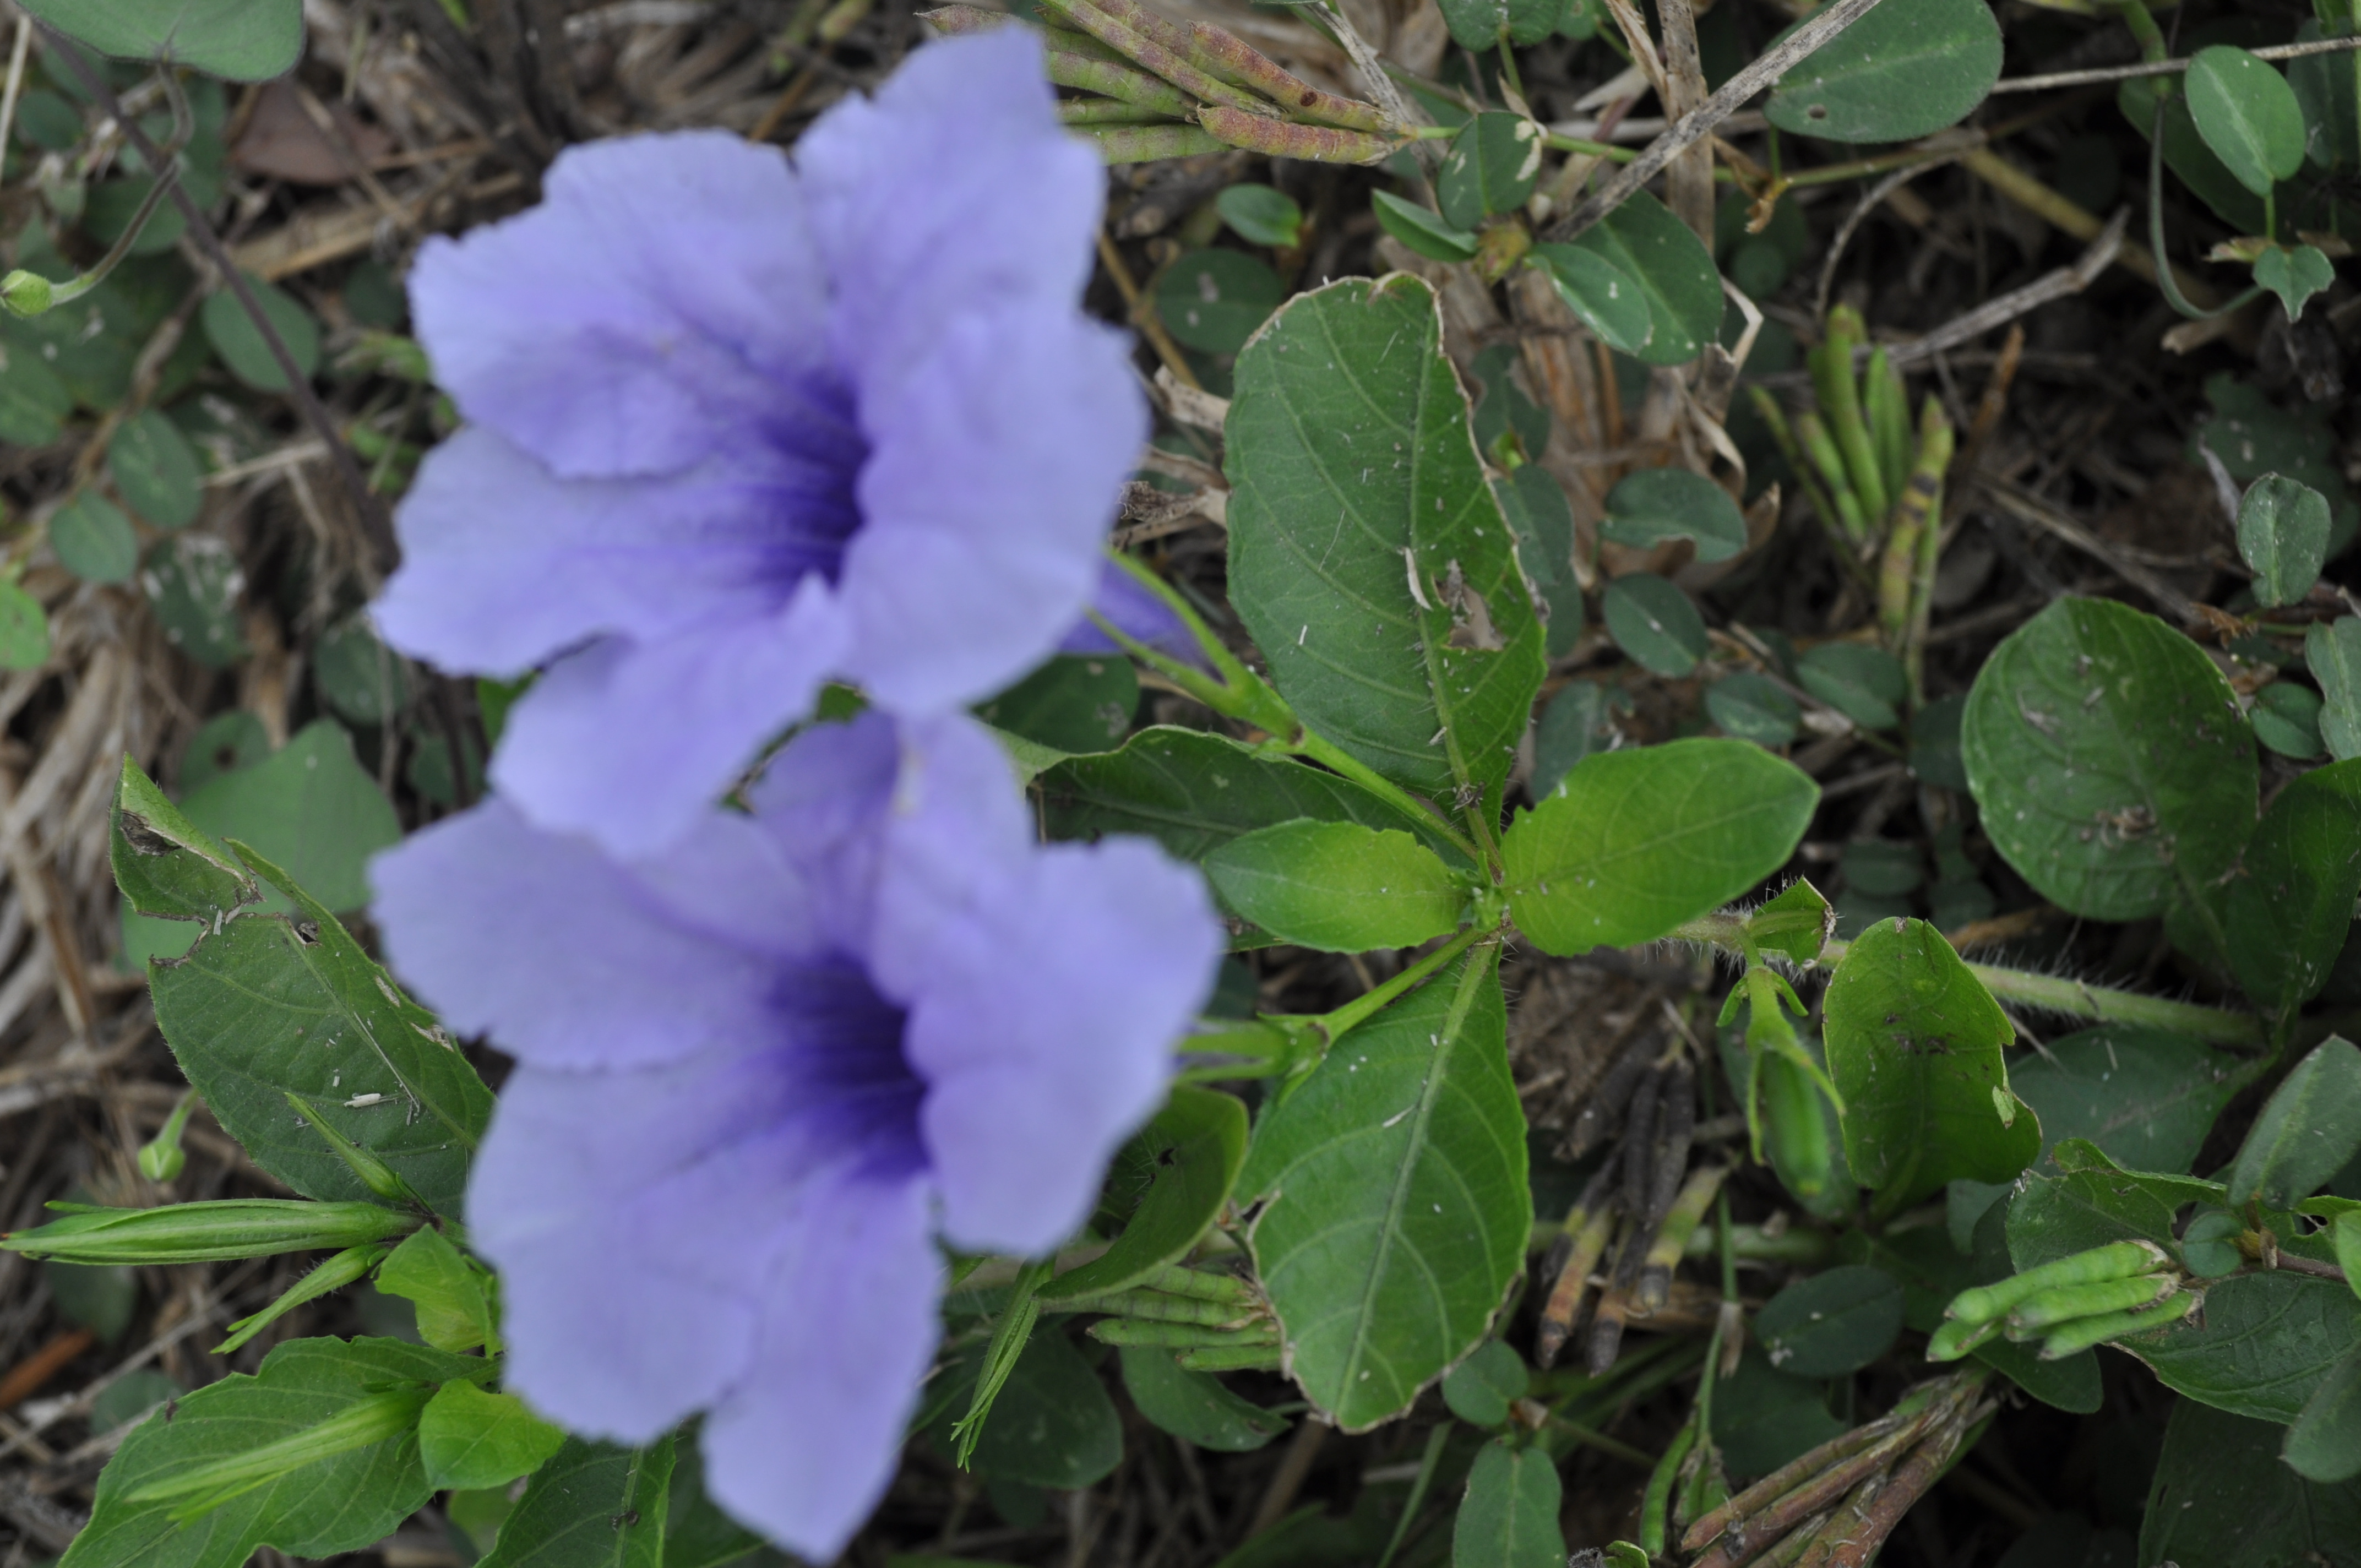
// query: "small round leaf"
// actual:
[[193, 583], [2247, 115], [156, 470], [1215, 299], [1654, 622], [1608, 300], [1261, 215], [1752, 707], [94, 539], [24, 629], [1907, 69], [1656, 504], [1490, 168]]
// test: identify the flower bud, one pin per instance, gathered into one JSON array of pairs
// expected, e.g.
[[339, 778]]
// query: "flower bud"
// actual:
[[161, 1158], [24, 294], [209, 1233]]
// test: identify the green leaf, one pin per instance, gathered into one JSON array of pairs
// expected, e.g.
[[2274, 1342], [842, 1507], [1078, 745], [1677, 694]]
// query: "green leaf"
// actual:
[[156, 471], [1932, 1271], [2309, 1129], [1509, 1517], [2294, 275], [1609, 301], [1833, 1323], [1673, 269], [265, 1004], [1934, 743], [2247, 115], [2286, 918], [1762, 1417], [1866, 684], [193, 582], [239, 343], [1480, 1390], [34, 403], [1397, 1205], [467, 1438], [2072, 1155], [698, 1534], [2333, 652], [1572, 726], [2058, 1216], [1192, 793], [1796, 924], [1423, 231], [2113, 768], [590, 1505], [1338, 886], [2145, 1097], [1074, 704], [1188, 1157], [343, 1502], [2325, 1443], [357, 675], [1914, 1045], [1653, 621], [1754, 708], [1906, 69], [100, 1297], [1490, 170], [1193, 1406], [2344, 1235], [244, 40], [1503, 410], [308, 807], [94, 539], [1480, 24], [1368, 557], [1052, 1424], [2222, 1495], [453, 1311], [1633, 843], [2286, 719], [2283, 535], [1656, 504], [1539, 514], [1216, 298], [1261, 215], [2261, 1348]]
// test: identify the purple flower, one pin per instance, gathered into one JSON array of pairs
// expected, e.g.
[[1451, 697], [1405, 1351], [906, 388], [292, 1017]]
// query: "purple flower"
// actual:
[[760, 1074], [738, 426]]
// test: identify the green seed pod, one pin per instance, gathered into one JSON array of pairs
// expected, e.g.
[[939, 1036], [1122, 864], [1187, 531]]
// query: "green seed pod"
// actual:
[[1230, 1358], [1179, 1336], [209, 1233], [26, 293], [1953, 1339], [2087, 1332], [333, 1274], [2036, 1314], [2116, 1260], [1795, 1132]]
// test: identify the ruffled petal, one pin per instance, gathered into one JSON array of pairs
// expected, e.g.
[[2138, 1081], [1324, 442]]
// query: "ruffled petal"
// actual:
[[952, 189], [629, 1214], [664, 294], [505, 566], [633, 744], [990, 482], [823, 801], [557, 952], [1046, 987], [806, 1443]]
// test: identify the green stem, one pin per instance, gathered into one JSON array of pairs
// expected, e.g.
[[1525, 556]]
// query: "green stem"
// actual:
[[1509, 65], [1329, 755], [2046, 992], [1336, 1025], [2143, 26], [2164, 278]]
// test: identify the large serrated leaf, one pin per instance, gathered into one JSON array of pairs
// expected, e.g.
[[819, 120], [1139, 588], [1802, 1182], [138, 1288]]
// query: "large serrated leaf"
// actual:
[[1914, 1043], [2114, 770], [1634, 842], [1396, 1203], [268, 1004], [335, 1505], [1368, 556], [592, 1505], [244, 40]]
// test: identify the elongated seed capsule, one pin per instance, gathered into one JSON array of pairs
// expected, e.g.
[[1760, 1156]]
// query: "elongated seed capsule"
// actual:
[[2088, 1331], [1205, 1284], [1886, 408], [1914, 514], [2113, 1261], [1797, 1131], [1839, 394], [1179, 1336], [1688, 1211], [1606, 1333], [1821, 447], [1675, 1122], [1157, 1307], [1639, 1146], [1656, 1503], [1146, 51], [1603, 1111], [2036, 1314], [214, 1232], [1120, 82], [372, 1419], [1230, 1358], [1231, 57], [1284, 139], [1775, 417], [1589, 1225], [1109, 112], [1146, 144], [333, 1274], [1953, 1339]]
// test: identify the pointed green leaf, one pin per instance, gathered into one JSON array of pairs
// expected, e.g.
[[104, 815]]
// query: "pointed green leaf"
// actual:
[[453, 1311], [1652, 621], [1656, 504], [1508, 1518], [1187, 1158], [2333, 652], [1644, 242], [2309, 1129], [590, 1505], [1193, 1406], [1425, 232], [2287, 916], [1338, 886], [468, 1438]]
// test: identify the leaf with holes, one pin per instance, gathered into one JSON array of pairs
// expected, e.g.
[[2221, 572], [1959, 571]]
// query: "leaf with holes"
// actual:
[[1490, 168], [1368, 557], [1395, 1200]]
